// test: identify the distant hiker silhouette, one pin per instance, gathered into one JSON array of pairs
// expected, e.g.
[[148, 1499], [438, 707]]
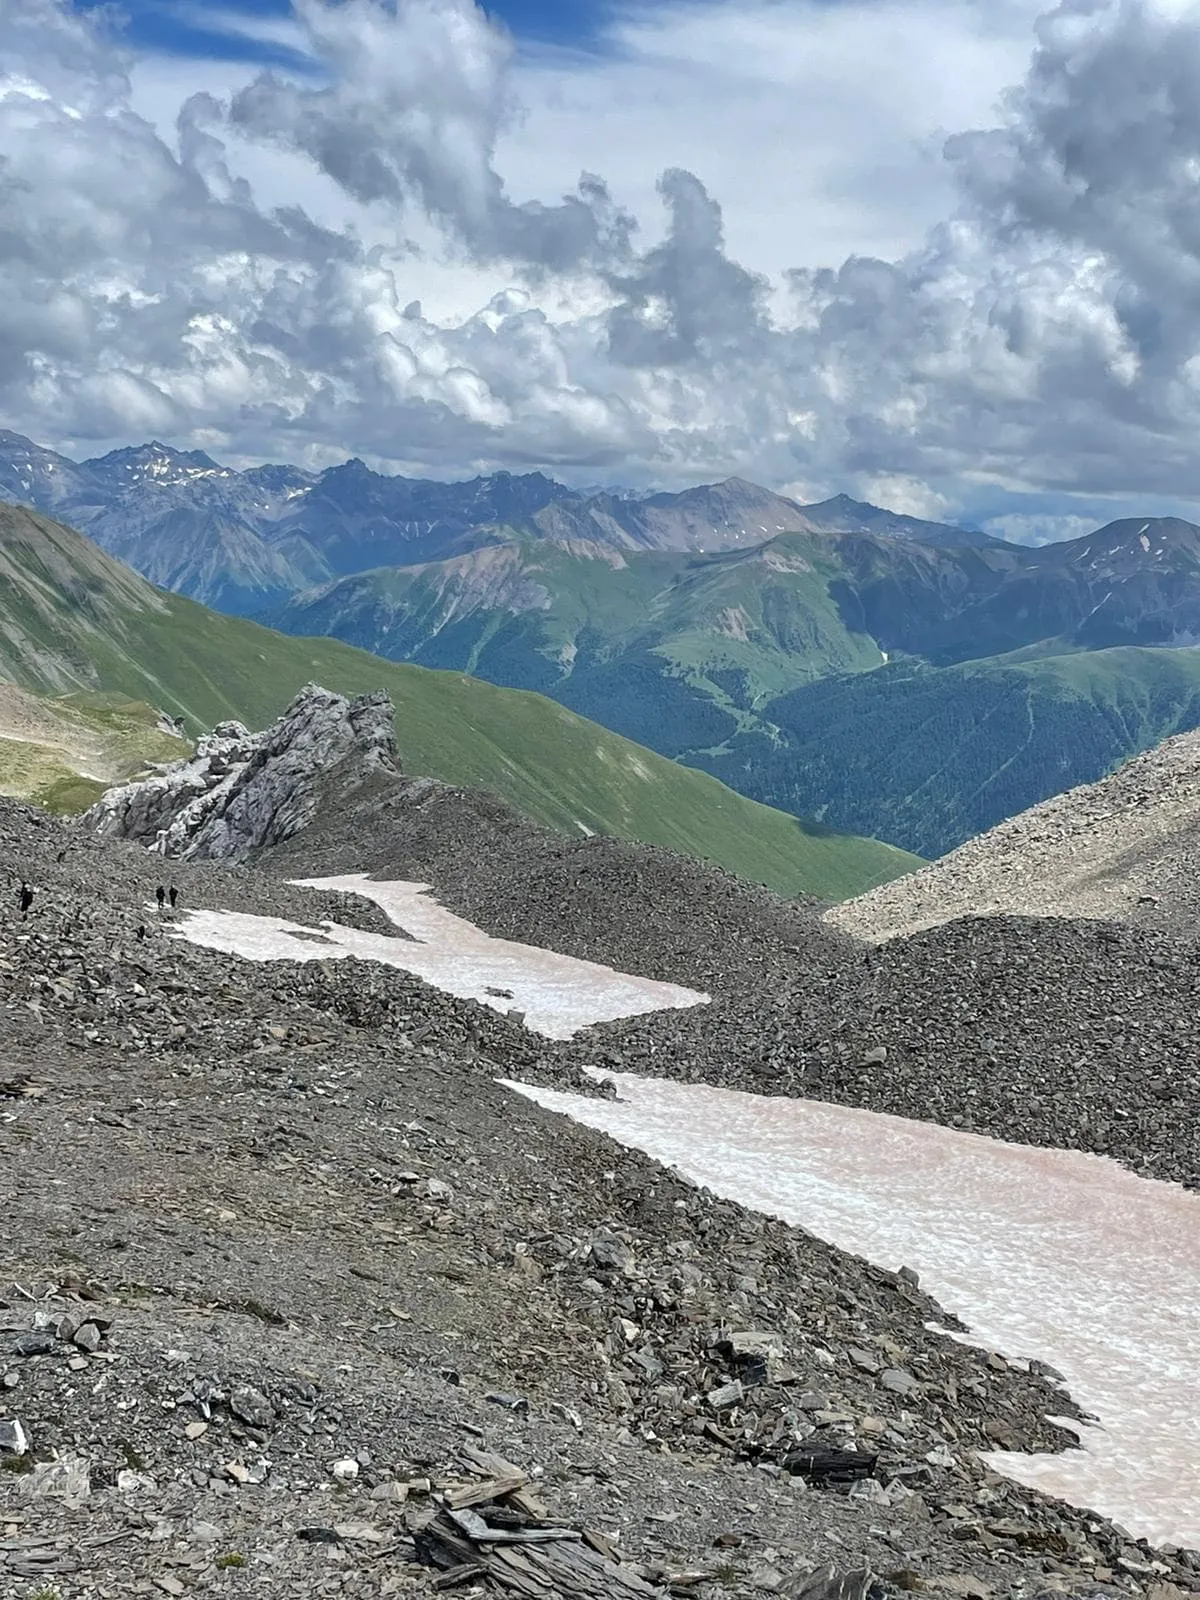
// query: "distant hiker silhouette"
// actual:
[[25, 900], [160, 894], [141, 933], [173, 895]]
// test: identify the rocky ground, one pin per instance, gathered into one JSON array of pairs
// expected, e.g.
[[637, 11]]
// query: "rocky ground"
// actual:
[[1042, 1030], [1123, 849], [636, 907], [280, 1253]]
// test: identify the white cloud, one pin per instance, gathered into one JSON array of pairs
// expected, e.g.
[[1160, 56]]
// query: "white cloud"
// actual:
[[396, 255]]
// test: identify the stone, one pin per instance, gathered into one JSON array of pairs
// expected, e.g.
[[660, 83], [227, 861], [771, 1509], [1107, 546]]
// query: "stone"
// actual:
[[345, 1470], [129, 1482], [67, 1479], [963, 1584], [13, 1441], [510, 1402], [33, 1344], [242, 790], [87, 1337], [251, 1406], [729, 1394], [608, 1252], [864, 1360], [896, 1380], [752, 1343]]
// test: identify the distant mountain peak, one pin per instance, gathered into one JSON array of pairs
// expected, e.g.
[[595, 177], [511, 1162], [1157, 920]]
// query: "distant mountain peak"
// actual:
[[154, 463]]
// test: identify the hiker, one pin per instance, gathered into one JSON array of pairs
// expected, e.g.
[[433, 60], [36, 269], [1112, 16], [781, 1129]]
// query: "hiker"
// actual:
[[160, 894], [173, 895], [25, 900], [141, 933]]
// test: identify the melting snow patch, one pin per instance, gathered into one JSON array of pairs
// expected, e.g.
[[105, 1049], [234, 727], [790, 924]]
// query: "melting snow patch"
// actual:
[[558, 994], [1042, 1253]]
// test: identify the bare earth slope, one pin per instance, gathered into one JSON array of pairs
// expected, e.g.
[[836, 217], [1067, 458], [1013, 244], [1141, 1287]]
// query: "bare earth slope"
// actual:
[[1126, 848], [284, 1217]]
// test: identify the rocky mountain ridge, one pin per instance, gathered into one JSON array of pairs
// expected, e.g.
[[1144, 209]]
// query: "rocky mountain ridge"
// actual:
[[242, 791], [1122, 849], [245, 541]]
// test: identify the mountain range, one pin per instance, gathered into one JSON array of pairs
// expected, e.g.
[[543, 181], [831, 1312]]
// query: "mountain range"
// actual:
[[242, 541], [900, 678], [75, 621]]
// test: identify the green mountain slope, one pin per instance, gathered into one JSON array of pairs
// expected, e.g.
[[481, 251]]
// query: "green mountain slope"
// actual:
[[675, 650], [930, 756], [912, 691], [62, 752], [71, 617]]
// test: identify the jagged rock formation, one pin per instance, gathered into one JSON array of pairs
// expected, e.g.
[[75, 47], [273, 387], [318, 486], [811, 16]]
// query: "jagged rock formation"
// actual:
[[1126, 848], [244, 790]]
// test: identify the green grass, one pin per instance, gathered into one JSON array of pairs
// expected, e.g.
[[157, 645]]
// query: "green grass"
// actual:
[[550, 764]]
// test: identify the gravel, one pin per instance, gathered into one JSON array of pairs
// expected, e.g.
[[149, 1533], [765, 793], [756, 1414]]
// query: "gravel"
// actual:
[[1081, 1035], [287, 1229]]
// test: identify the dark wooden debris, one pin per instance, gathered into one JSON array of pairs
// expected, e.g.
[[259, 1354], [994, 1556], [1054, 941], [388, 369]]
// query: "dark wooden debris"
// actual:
[[825, 1467], [496, 1529]]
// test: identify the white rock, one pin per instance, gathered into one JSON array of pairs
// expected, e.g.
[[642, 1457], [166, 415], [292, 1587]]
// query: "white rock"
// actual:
[[13, 1441], [242, 790]]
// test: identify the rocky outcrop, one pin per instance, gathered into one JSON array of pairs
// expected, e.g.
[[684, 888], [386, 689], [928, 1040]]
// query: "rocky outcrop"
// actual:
[[242, 790]]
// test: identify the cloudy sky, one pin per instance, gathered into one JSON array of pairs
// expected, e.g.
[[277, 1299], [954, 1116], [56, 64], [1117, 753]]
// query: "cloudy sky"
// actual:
[[941, 254]]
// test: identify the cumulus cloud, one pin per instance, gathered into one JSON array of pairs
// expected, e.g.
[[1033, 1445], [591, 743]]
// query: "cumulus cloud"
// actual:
[[412, 98], [1042, 338]]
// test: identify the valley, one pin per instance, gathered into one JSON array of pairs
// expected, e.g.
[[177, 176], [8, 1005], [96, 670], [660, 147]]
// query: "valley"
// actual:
[[879, 674], [73, 618]]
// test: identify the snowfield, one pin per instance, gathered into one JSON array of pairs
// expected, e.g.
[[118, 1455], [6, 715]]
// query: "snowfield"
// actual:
[[1047, 1254], [1051, 1254], [558, 994]]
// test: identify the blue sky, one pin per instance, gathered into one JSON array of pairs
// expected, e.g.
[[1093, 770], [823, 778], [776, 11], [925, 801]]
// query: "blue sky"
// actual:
[[177, 28]]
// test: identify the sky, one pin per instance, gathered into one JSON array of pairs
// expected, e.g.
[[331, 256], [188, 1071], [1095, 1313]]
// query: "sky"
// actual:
[[943, 255]]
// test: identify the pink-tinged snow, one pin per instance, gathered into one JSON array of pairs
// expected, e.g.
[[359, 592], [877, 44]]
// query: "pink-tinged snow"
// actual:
[[558, 994], [1042, 1253]]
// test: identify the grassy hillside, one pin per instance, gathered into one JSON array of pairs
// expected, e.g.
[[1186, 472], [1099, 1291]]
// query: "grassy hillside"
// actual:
[[927, 756], [62, 752], [673, 649], [70, 616]]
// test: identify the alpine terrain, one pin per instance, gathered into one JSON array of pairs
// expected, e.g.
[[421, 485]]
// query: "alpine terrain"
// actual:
[[886, 675], [73, 619], [599, 800], [316, 1300]]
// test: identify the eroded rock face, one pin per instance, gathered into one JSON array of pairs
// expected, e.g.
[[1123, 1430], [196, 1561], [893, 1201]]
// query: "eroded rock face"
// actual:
[[243, 790]]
